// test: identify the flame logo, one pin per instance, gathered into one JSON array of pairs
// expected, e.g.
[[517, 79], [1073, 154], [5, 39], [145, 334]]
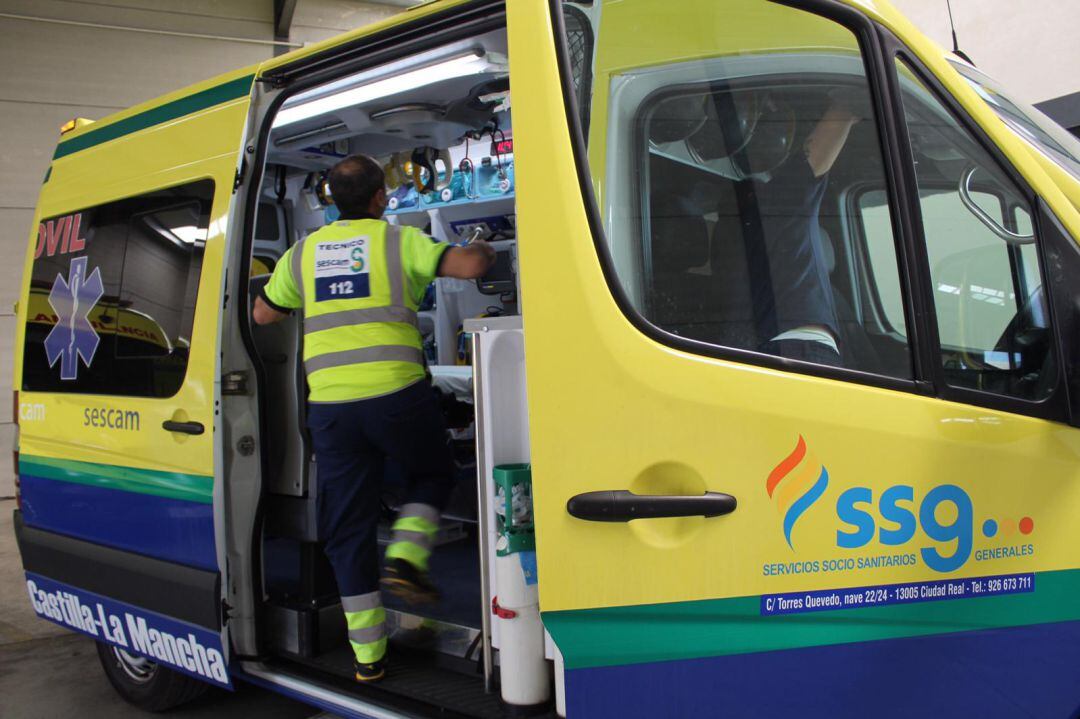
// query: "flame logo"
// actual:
[[801, 480]]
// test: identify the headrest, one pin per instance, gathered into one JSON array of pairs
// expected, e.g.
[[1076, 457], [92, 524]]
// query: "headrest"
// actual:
[[680, 237]]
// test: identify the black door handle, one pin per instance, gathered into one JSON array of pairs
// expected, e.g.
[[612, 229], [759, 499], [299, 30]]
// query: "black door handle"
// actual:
[[619, 505], [185, 427]]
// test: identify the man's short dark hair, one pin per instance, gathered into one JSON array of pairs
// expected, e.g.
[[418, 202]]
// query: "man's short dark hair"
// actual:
[[353, 184]]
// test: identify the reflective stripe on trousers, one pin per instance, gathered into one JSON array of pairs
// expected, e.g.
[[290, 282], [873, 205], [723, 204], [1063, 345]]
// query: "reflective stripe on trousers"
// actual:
[[414, 534], [366, 620]]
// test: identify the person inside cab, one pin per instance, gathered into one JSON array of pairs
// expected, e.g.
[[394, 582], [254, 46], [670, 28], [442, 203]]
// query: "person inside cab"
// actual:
[[807, 325], [793, 301], [358, 282]]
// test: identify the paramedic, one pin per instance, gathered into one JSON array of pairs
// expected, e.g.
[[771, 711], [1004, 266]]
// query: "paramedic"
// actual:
[[799, 300], [358, 282]]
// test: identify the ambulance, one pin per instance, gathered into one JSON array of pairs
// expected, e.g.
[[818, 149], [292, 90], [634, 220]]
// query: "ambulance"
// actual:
[[671, 499]]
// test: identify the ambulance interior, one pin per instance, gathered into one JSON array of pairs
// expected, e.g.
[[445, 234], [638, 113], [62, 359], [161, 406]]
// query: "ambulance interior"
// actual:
[[440, 123]]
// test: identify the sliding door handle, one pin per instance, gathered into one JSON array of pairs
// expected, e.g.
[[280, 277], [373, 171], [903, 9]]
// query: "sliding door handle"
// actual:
[[619, 505], [183, 427]]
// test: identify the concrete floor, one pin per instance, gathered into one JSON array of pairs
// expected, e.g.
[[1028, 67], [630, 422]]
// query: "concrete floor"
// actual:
[[61, 677], [18, 623], [47, 672]]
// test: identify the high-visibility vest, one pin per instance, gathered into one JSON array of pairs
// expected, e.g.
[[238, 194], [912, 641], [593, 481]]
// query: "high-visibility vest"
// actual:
[[360, 323]]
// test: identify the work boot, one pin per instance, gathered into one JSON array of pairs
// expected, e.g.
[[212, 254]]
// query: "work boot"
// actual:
[[370, 673], [404, 580]]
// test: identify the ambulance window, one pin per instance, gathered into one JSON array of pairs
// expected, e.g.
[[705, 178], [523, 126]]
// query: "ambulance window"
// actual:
[[160, 277], [267, 223], [988, 293], [270, 240], [939, 216], [112, 295], [723, 180]]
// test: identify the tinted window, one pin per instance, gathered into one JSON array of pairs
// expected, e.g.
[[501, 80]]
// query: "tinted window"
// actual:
[[112, 295], [988, 291], [941, 219], [725, 186], [267, 227]]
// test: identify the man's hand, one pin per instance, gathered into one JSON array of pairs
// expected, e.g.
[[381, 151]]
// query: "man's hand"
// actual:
[[468, 262], [264, 314]]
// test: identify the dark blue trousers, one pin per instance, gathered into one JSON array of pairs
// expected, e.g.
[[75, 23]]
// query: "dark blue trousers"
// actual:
[[353, 441]]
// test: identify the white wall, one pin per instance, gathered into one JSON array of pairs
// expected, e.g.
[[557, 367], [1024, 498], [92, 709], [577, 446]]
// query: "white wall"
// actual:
[[1031, 47], [53, 72], [316, 20]]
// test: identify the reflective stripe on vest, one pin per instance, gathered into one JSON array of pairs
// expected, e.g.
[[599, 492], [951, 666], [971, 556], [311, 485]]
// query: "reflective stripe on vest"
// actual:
[[296, 265], [393, 265], [360, 355], [344, 318]]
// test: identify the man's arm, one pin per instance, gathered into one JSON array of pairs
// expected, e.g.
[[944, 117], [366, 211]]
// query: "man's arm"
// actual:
[[827, 138], [264, 314], [280, 295], [468, 262]]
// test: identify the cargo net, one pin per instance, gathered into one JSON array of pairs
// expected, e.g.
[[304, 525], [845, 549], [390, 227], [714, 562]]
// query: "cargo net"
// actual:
[[579, 46]]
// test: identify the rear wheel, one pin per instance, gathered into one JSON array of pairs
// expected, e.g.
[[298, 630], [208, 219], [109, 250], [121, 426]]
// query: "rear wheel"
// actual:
[[145, 683]]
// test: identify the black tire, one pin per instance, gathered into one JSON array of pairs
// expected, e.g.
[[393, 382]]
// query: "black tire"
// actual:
[[147, 684]]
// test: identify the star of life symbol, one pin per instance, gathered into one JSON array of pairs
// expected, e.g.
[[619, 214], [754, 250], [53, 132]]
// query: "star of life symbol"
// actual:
[[73, 335]]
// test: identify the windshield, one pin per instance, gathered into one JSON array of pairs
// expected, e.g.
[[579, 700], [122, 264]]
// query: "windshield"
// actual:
[[1035, 127]]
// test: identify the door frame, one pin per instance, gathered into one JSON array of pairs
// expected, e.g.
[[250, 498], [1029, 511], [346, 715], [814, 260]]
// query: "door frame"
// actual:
[[273, 87]]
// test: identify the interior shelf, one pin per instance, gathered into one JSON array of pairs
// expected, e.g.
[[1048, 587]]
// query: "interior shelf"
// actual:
[[489, 201]]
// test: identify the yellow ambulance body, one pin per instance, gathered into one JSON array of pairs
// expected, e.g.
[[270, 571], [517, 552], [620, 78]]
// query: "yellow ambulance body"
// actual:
[[719, 530]]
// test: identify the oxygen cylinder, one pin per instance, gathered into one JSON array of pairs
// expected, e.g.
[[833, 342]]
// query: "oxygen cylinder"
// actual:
[[524, 672]]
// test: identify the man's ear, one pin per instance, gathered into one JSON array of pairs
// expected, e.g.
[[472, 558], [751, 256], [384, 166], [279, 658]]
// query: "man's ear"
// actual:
[[380, 200]]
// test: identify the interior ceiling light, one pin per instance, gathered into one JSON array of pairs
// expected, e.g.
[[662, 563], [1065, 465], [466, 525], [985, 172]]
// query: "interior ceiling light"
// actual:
[[301, 109]]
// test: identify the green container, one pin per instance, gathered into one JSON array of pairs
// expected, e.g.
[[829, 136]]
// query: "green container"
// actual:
[[513, 509]]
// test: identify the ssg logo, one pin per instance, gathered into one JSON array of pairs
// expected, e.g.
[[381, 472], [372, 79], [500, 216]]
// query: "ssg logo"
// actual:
[[73, 335], [801, 480], [945, 513], [358, 259]]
